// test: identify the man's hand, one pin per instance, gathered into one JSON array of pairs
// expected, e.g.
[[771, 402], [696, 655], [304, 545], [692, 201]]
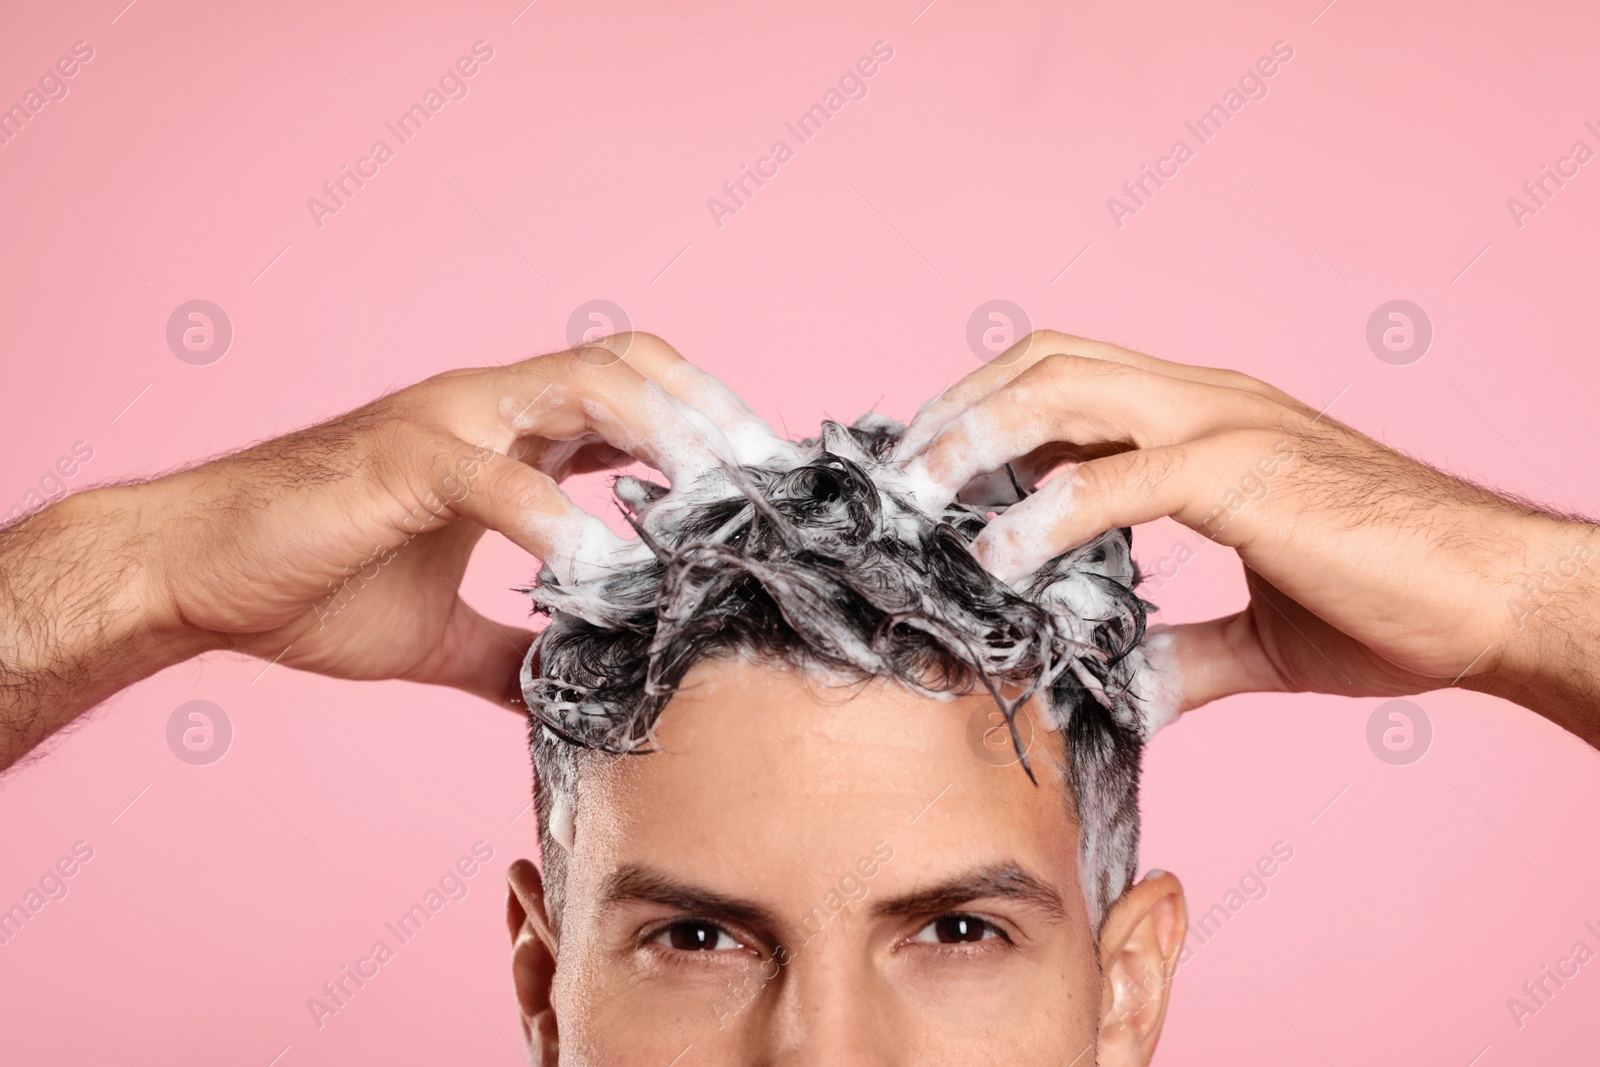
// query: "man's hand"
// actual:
[[1369, 573], [339, 548]]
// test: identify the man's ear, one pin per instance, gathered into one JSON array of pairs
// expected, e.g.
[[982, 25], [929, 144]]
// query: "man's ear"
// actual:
[[1139, 947], [533, 961]]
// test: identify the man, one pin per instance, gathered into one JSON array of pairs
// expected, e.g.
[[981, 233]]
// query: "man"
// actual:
[[817, 861], [800, 876], [1369, 573]]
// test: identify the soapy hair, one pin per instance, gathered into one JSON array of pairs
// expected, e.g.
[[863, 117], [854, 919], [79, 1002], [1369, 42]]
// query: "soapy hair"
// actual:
[[828, 565]]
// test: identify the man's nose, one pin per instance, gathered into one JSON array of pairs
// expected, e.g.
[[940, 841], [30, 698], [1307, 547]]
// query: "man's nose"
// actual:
[[835, 1011]]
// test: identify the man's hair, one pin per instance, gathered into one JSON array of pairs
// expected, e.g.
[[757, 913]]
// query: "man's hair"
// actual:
[[830, 566]]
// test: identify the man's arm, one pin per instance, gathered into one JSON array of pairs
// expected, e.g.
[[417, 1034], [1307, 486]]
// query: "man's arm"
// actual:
[[80, 617], [340, 548], [1369, 573]]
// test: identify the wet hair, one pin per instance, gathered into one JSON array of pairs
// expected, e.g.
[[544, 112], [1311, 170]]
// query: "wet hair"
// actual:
[[830, 566]]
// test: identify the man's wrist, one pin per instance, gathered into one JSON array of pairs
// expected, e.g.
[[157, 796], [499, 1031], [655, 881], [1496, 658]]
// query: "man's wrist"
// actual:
[[82, 611], [1551, 609], [146, 535]]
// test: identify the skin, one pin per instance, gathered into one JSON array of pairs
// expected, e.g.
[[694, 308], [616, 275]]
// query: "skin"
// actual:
[[773, 797], [1369, 573]]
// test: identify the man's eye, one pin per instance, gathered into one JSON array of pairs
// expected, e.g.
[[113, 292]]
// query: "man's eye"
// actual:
[[697, 937], [956, 930]]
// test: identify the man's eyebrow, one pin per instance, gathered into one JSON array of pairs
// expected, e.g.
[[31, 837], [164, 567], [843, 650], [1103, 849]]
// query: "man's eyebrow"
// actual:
[[635, 883], [1003, 881]]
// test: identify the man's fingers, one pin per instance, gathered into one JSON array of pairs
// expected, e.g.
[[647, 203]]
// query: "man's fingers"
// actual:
[[1082, 402], [1205, 661], [569, 395], [957, 398], [1086, 501], [1041, 345], [529, 508], [1004, 368], [1216, 376], [636, 392], [569, 409], [753, 440]]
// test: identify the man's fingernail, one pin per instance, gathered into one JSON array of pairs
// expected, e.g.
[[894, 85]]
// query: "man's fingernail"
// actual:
[[1153, 873]]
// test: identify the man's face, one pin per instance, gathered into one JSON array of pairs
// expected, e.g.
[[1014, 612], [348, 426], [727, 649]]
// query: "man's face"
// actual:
[[820, 874]]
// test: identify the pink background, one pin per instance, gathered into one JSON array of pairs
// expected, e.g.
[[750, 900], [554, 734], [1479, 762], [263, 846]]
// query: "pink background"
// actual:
[[978, 166]]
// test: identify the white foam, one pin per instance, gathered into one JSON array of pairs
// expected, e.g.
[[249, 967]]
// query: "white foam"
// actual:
[[662, 431], [563, 822], [752, 440], [685, 443], [924, 490], [634, 492], [578, 546], [1156, 681]]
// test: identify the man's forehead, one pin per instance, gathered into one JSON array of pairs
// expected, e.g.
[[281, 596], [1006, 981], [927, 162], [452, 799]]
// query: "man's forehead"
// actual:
[[742, 723], [759, 767]]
